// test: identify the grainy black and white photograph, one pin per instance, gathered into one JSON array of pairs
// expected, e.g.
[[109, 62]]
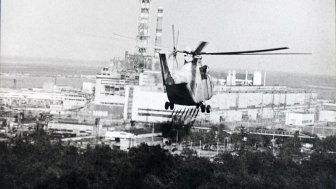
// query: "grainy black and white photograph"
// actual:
[[167, 94]]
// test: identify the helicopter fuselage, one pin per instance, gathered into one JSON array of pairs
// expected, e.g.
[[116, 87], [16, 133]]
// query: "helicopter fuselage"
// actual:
[[190, 85], [182, 93]]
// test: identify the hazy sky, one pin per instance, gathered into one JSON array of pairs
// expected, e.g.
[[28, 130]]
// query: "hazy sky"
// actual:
[[86, 30]]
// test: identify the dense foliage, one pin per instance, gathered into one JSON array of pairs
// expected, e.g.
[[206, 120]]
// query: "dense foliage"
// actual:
[[36, 163]]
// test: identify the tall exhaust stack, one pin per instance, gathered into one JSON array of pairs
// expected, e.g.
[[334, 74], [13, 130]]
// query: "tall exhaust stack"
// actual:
[[158, 37], [143, 27]]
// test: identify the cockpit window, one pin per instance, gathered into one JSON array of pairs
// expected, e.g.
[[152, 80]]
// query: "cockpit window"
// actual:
[[203, 71]]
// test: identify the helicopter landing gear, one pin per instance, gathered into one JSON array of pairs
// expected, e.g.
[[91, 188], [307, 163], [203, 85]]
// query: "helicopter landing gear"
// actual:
[[208, 107], [169, 105], [204, 108]]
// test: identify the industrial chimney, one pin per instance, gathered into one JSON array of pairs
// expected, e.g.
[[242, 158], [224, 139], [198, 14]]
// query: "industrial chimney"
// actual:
[[158, 36], [143, 27]]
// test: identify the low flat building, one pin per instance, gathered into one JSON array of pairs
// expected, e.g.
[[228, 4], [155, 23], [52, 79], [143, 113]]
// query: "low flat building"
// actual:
[[127, 140], [300, 118], [78, 129], [37, 98], [327, 113], [327, 116]]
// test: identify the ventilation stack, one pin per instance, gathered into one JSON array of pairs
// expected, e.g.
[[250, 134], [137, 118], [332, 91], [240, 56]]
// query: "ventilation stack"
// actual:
[[158, 37], [143, 27]]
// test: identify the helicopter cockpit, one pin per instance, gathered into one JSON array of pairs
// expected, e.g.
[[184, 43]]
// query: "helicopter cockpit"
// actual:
[[203, 71]]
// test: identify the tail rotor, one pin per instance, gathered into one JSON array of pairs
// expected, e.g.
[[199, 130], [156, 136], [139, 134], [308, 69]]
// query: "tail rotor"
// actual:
[[175, 42]]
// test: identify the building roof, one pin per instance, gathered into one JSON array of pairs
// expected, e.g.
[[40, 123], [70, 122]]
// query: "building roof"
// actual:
[[118, 134], [329, 106], [301, 112]]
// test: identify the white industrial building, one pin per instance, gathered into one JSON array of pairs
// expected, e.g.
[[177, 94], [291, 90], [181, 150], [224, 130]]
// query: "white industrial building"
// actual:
[[238, 79], [147, 104], [257, 78], [327, 116], [73, 101], [70, 128], [37, 98], [328, 113], [107, 111], [261, 98], [150, 78], [110, 86], [127, 140], [118, 135], [239, 115], [299, 118], [231, 78]]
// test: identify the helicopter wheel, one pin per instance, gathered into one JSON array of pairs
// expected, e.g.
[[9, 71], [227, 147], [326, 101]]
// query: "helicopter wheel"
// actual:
[[167, 104], [202, 108], [208, 107], [171, 106], [197, 106]]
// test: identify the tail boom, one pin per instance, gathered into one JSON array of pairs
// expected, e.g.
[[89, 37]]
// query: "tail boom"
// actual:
[[166, 76]]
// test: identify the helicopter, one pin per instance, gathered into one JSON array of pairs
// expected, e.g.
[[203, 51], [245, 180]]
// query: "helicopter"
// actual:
[[192, 85]]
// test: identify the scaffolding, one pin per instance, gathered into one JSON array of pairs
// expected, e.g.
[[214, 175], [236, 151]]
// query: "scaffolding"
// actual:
[[143, 27]]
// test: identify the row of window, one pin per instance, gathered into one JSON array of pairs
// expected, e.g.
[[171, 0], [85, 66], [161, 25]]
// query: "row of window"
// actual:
[[109, 88], [74, 99], [130, 103], [307, 121], [144, 10]]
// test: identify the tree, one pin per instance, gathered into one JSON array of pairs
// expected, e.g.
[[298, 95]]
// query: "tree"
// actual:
[[36, 162], [326, 144], [291, 149]]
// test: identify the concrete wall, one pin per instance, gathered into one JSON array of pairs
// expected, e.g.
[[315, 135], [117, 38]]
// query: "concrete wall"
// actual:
[[148, 105], [258, 99], [327, 115], [299, 119], [103, 97], [74, 128]]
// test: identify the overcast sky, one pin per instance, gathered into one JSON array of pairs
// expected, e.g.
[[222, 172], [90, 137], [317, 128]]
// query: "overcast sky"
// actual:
[[88, 29]]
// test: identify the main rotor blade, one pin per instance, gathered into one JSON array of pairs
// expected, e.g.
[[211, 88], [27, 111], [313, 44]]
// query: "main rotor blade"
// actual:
[[177, 38], [173, 30], [249, 54], [243, 52], [200, 47]]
